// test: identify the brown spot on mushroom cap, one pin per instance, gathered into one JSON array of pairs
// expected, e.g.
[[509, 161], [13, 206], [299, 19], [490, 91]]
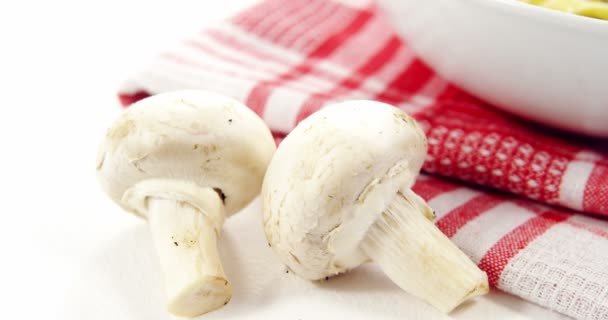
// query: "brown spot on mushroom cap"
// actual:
[[209, 149], [295, 259], [137, 166], [402, 116], [221, 194], [195, 126], [101, 157], [121, 129]]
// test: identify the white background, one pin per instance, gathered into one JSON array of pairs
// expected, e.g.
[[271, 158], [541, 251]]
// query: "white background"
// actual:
[[69, 253]]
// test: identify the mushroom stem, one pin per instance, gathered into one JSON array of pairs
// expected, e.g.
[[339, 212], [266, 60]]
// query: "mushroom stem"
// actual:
[[420, 259], [186, 242]]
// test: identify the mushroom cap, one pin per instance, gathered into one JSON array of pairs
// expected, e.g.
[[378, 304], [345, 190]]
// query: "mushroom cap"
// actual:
[[198, 137], [332, 177]]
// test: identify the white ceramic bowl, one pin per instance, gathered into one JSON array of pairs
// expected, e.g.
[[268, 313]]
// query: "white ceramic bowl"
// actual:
[[542, 64]]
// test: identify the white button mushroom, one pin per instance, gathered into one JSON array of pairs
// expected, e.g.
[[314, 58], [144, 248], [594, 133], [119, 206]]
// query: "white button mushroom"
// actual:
[[337, 194], [184, 161]]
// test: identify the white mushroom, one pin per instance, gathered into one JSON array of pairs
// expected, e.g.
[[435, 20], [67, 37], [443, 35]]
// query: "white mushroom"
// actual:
[[184, 161], [337, 194]]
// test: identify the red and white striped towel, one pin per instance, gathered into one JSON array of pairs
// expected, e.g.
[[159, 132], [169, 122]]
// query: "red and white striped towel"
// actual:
[[287, 58]]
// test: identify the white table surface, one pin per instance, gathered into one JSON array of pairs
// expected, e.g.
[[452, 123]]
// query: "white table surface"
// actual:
[[67, 252]]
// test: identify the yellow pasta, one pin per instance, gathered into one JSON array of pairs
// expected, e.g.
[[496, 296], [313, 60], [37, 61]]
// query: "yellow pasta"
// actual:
[[590, 8]]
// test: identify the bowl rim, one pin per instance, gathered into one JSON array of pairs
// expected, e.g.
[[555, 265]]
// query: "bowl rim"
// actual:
[[545, 14]]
